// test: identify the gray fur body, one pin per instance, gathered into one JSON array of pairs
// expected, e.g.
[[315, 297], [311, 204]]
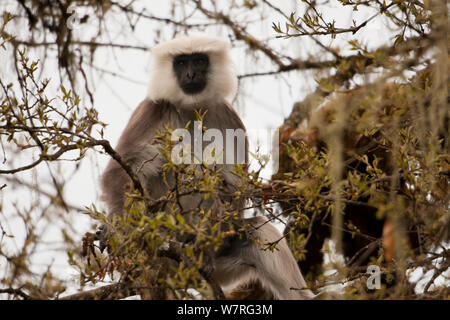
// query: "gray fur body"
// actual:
[[137, 147], [240, 259]]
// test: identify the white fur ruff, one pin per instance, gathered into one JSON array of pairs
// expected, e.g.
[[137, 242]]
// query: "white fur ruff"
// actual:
[[222, 80]]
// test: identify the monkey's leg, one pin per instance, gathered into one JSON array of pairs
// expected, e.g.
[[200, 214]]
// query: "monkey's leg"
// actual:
[[241, 260]]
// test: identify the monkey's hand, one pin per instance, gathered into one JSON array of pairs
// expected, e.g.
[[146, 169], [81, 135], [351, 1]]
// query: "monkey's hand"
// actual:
[[208, 268], [101, 235]]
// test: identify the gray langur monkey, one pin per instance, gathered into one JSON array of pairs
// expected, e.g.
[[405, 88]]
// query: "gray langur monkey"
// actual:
[[187, 74]]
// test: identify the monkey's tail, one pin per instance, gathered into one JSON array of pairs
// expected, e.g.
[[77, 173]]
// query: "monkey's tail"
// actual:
[[279, 271]]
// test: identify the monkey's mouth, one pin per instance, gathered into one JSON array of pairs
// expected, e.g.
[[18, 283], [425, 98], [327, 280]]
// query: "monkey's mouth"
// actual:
[[192, 87]]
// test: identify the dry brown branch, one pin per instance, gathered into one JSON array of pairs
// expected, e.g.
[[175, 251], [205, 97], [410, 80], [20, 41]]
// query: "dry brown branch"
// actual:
[[108, 292]]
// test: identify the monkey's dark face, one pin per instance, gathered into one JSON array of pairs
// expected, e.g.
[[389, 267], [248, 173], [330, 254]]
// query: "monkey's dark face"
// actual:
[[191, 71]]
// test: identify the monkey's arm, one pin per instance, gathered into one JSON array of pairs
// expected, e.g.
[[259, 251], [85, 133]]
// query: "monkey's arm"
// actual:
[[135, 147]]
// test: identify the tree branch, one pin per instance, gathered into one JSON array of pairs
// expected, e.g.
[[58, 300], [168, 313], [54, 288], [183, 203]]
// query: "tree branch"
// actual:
[[108, 292]]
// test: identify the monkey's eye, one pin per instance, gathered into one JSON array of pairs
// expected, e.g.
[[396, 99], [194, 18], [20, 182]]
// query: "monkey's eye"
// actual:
[[200, 61], [180, 63]]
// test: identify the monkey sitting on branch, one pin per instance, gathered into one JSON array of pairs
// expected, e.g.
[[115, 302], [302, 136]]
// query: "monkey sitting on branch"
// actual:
[[191, 74]]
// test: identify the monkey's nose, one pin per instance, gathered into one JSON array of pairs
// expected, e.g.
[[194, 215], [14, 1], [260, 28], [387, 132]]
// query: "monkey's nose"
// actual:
[[190, 75]]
